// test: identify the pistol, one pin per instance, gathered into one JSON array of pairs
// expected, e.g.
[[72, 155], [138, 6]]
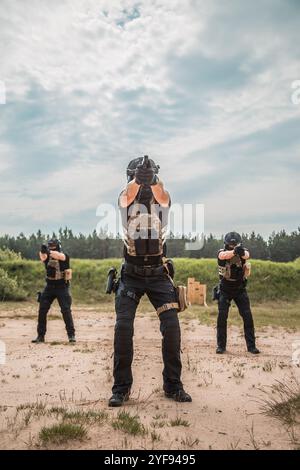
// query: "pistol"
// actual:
[[112, 282], [145, 163]]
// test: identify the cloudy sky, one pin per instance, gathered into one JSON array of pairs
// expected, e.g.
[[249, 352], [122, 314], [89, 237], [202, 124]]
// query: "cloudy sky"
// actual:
[[203, 87]]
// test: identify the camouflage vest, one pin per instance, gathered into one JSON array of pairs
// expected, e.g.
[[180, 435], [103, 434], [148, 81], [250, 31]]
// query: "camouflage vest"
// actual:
[[54, 272], [144, 234], [231, 269]]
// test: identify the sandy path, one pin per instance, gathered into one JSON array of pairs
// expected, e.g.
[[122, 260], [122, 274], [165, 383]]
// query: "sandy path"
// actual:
[[225, 389]]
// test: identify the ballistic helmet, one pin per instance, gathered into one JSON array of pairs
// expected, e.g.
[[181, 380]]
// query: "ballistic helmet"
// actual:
[[133, 164], [232, 238], [54, 244]]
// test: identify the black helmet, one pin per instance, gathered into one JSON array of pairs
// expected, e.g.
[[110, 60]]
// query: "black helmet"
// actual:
[[133, 164], [232, 238], [54, 244]]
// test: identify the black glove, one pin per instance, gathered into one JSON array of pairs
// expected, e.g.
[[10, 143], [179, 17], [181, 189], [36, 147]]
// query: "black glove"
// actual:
[[44, 249], [145, 175], [239, 250]]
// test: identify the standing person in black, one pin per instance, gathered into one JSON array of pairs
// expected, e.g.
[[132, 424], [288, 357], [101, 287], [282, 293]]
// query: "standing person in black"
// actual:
[[144, 206], [233, 279], [57, 265]]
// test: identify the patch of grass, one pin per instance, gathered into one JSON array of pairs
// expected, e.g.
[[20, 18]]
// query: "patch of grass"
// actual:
[[283, 403], [154, 436], [57, 410], [39, 408], [279, 313], [270, 282], [234, 445], [268, 366], [158, 424], [179, 422], [85, 417], [189, 442], [238, 373], [129, 424], [62, 433], [253, 440], [160, 416]]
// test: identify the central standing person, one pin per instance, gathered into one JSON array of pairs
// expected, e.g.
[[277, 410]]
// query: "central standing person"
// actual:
[[144, 206]]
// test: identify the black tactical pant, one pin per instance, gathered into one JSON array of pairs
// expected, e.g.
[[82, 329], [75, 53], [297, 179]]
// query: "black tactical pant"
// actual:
[[241, 299], [62, 294], [159, 290]]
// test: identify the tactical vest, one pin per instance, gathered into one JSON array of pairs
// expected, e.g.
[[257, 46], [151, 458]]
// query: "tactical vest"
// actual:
[[231, 270], [54, 272], [144, 231]]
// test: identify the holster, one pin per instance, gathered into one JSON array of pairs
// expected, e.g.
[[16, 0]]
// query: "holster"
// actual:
[[216, 292], [183, 302], [112, 281]]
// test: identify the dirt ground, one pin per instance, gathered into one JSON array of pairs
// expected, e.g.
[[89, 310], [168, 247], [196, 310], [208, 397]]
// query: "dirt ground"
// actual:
[[227, 391]]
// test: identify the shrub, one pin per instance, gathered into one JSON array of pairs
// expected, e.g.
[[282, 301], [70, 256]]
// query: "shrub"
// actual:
[[9, 255], [9, 289]]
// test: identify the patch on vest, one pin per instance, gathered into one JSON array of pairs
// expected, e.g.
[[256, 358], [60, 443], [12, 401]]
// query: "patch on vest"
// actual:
[[231, 265]]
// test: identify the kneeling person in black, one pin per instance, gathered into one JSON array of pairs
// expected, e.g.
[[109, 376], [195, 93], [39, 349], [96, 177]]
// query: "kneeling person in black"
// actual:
[[57, 266], [233, 279]]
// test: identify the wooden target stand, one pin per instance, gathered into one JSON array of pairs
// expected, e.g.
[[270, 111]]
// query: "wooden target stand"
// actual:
[[196, 292]]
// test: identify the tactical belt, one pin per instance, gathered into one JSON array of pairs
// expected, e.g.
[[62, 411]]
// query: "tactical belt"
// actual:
[[166, 307], [144, 270]]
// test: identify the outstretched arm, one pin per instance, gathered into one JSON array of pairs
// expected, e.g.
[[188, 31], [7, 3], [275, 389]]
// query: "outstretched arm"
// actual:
[[128, 195], [246, 255], [228, 254], [57, 255], [43, 256], [161, 195]]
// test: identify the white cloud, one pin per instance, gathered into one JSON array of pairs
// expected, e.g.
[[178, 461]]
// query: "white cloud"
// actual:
[[71, 61], [263, 206], [5, 157], [62, 194]]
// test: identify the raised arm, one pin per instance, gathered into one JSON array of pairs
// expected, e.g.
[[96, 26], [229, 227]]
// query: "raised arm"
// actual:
[[228, 254], [57, 255], [128, 195], [160, 194], [43, 256]]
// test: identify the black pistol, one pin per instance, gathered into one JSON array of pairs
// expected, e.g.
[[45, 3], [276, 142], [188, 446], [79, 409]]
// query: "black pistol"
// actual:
[[112, 282], [145, 163]]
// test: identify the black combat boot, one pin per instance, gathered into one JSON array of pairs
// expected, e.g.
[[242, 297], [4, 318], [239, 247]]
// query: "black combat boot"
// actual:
[[253, 350], [72, 339], [179, 395], [220, 350], [117, 399], [39, 339]]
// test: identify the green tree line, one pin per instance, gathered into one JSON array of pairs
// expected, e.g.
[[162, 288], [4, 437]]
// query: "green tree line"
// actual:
[[280, 246]]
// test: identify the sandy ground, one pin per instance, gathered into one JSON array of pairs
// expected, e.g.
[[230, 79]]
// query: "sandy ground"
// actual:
[[226, 390]]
